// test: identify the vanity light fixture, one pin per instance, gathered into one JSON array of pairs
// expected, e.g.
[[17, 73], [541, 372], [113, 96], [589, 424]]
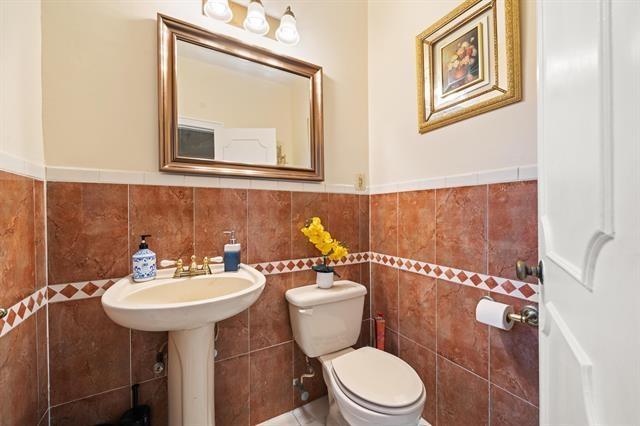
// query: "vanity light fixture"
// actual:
[[218, 9], [256, 20], [287, 32]]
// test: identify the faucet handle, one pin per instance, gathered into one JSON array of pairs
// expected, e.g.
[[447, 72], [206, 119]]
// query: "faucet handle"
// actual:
[[166, 263]]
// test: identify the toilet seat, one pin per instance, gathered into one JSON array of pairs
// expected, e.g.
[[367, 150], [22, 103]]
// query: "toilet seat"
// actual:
[[378, 381]]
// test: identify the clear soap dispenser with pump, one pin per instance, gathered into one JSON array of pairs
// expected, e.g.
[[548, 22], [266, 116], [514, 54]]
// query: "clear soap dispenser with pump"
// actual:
[[231, 256], [144, 262]]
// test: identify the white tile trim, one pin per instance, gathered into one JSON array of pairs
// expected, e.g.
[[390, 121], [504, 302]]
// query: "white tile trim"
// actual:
[[77, 174], [483, 177], [16, 165]]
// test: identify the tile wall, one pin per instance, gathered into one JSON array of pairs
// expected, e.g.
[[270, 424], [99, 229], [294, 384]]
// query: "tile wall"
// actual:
[[23, 341], [94, 228], [474, 374]]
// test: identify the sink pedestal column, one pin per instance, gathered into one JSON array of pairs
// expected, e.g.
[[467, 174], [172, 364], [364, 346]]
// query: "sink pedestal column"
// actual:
[[190, 375]]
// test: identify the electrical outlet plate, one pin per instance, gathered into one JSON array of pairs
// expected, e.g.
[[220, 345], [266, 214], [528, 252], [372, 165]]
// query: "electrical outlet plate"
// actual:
[[360, 182]]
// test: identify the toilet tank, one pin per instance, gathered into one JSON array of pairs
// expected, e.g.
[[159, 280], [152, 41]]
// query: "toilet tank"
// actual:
[[326, 320]]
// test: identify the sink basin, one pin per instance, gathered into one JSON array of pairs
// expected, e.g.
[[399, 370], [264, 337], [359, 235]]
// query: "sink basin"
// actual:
[[168, 303], [188, 309]]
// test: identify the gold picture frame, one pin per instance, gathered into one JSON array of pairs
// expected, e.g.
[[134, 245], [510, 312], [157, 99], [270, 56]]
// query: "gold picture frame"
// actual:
[[468, 63]]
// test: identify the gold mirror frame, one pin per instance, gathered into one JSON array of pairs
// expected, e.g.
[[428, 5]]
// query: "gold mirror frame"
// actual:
[[169, 31], [504, 95]]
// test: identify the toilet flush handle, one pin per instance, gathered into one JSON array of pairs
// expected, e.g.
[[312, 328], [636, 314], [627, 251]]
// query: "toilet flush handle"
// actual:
[[305, 311]]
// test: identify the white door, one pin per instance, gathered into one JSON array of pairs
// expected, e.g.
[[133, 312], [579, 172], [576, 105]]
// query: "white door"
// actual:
[[247, 145], [589, 176]]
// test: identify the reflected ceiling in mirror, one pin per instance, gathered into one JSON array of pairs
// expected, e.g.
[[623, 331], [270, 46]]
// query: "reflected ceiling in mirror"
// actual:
[[227, 108]]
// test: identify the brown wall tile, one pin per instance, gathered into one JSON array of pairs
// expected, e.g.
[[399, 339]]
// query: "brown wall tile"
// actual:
[[513, 227], [144, 348], [514, 356], [343, 220], [417, 310], [42, 361], [461, 232], [87, 351], [87, 231], [40, 216], [19, 375], [364, 223], [305, 205], [424, 362], [460, 337], [365, 280], [154, 394], [232, 391], [218, 210], [384, 287], [417, 225], [17, 246], [303, 278], [463, 397], [269, 316], [507, 410], [103, 408], [391, 341], [269, 226], [384, 224], [271, 374], [365, 334], [314, 385], [166, 213], [233, 336]]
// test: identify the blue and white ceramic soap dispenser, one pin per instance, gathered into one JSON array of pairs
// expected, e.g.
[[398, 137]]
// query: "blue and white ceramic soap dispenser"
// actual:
[[144, 262], [231, 256]]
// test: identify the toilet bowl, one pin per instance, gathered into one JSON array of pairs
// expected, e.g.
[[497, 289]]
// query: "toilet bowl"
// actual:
[[385, 390], [365, 386]]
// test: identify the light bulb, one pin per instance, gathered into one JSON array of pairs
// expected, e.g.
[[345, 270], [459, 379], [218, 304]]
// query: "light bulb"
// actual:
[[287, 32], [218, 9], [256, 21]]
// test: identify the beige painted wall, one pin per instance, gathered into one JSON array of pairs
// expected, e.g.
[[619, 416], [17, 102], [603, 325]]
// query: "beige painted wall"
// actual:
[[498, 139], [99, 79], [20, 82]]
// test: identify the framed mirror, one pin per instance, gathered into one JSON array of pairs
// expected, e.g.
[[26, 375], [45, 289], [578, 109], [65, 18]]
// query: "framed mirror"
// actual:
[[230, 109]]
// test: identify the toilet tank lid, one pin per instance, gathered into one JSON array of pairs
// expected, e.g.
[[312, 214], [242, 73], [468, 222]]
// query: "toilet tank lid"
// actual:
[[312, 295]]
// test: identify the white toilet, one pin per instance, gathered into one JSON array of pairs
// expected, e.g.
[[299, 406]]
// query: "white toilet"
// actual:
[[366, 386]]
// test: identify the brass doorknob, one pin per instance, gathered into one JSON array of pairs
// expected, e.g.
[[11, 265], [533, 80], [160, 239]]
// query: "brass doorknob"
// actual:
[[523, 270]]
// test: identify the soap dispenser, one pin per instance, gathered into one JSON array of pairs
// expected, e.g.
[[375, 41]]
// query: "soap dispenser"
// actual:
[[231, 256], [144, 262]]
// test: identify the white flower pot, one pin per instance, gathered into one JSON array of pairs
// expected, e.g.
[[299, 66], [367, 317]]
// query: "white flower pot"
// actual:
[[324, 279]]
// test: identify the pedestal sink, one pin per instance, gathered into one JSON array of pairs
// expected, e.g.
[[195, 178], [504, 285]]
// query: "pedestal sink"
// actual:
[[188, 309]]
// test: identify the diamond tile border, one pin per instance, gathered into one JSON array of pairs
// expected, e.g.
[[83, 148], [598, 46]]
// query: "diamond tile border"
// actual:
[[56, 293], [513, 288], [22, 310], [80, 290]]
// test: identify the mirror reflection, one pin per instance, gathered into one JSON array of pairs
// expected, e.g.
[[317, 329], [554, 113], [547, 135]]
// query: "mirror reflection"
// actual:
[[234, 110]]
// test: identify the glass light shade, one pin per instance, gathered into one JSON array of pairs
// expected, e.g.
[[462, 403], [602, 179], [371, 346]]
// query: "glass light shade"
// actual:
[[218, 9], [287, 32], [256, 21]]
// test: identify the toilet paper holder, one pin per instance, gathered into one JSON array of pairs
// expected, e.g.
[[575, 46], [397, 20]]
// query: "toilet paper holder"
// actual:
[[528, 315]]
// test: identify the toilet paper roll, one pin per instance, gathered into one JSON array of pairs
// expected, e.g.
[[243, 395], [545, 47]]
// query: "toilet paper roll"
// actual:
[[495, 314]]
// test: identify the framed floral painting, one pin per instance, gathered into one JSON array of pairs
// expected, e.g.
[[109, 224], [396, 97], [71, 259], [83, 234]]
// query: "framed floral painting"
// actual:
[[468, 63]]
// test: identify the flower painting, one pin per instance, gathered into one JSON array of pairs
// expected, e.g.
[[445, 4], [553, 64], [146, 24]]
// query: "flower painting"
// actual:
[[468, 63], [460, 61]]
